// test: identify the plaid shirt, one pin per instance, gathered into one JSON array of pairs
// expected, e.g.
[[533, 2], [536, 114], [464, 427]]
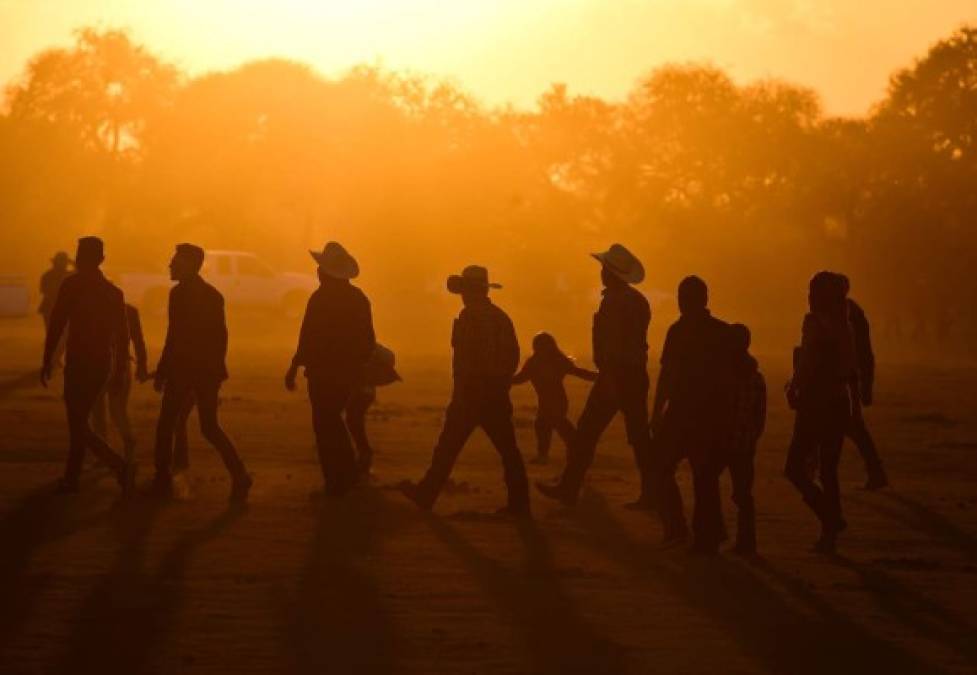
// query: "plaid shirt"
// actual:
[[749, 413]]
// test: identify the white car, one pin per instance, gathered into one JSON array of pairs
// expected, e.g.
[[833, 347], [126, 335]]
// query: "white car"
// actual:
[[243, 279]]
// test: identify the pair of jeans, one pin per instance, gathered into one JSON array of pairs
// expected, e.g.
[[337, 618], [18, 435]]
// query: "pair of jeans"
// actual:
[[478, 402], [82, 386]]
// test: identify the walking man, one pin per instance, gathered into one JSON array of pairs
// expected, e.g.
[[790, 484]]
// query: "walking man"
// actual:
[[691, 415], [93, 311], [486, 355], [51, 282], [335, 342], [620, 342], [193, 365]]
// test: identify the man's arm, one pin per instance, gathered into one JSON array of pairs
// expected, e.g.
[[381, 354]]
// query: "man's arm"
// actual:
[[761, 405], [166, 355], [523, 375], [510, 345], [59, 319], [663, 388], [138, 341], [299, 359], [121, 336]]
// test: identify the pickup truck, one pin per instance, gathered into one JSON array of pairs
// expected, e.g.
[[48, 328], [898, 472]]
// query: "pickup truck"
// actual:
[[243, 278]]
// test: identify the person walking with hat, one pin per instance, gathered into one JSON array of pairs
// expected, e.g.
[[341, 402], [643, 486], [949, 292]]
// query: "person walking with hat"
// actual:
[[92, 310], [620, 343], [486, 355], [51, 282], [335, 343], [193, 365]]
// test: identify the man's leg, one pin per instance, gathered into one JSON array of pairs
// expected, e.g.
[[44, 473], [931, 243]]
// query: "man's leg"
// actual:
[[599, 410], [336, 456], [356, 408], [207, 396], [803, 444], [633, 394], [460, 421], [81, 391], [175, 393], [496, 420], [707, 517], [858, 432], [181, 441], [543, 427], [99, 419], [118, 404], [741, 473], [667, 452]]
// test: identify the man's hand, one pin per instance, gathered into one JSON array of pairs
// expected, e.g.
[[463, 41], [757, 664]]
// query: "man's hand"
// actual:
[[45, 374], [290, 378]]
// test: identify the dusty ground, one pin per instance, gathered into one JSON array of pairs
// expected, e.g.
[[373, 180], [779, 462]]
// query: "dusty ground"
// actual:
[[371, 585]]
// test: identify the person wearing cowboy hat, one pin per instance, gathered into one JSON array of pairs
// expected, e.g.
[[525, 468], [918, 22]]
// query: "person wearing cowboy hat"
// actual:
[[620, 344], [335, 343], [486, 355], [51, 282], [193, 366]]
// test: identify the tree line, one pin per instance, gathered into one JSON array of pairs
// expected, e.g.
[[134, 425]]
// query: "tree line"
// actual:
[[752, 186]]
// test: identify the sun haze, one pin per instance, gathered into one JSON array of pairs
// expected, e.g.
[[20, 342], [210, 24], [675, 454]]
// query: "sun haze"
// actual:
[[511, 50]]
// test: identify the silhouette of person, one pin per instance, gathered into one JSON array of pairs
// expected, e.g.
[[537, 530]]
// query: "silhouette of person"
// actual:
[[93, 312], [115, 396], [51, 282], [193, 363], [822, 392], [545, 369], [620, 343], [749, 420], [378, 372], [865, 358], [335, 344], [486, 355], [690, 414]]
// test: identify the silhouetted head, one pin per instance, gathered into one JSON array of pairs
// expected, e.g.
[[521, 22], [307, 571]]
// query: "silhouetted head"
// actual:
[[618, 266], [693, 295], [826, 294], [544, 343], [91, 253], [60, 261], [335, 262], [186, 262], [845, 283], [472, 284], [740, 336]]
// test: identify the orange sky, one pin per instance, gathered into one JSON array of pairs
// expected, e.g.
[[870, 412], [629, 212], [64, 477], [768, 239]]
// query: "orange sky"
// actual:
[[509, 50]]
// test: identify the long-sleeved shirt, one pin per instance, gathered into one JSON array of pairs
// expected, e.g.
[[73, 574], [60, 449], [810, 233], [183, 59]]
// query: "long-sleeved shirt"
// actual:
[[546, 371], [337, 338], [196, 337], [826, 364], [695, 364], [620, 329], [484, 342], [93, 310], [864, 355]]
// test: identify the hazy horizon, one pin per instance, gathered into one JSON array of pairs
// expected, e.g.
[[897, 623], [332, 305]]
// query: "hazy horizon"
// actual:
[[505, 51]]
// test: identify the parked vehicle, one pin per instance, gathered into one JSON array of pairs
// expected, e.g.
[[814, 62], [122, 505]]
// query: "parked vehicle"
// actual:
[[243, 278]]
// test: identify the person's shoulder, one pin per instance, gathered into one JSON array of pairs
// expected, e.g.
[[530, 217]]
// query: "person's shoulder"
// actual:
[[211, 291], [500, 313], [112, 290]]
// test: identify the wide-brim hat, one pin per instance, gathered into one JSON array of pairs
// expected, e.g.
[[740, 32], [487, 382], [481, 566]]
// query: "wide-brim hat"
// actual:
[[473, 277], [381, 368], [622, 263], [336, 261]]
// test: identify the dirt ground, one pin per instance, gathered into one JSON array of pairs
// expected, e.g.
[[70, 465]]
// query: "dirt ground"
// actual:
[[369, 584]]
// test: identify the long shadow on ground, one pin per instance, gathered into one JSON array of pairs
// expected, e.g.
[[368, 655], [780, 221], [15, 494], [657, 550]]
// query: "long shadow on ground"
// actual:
[[339, 624], [558, 640], [759, 617], [39, 519], [130, 612]]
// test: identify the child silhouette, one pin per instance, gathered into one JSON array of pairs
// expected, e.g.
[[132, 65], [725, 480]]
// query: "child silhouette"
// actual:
[[545, 369]]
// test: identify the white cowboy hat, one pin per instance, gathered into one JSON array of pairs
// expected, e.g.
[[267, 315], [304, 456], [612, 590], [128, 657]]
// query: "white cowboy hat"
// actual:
[[336, 261], [622, 263], [473, 276]]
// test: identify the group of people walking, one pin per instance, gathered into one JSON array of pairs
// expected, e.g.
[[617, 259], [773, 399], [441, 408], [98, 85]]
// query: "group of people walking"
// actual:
[[709, 404]]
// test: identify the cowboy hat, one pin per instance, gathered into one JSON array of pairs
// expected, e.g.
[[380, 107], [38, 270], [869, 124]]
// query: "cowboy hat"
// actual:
[[380, 370], [336, 261], [472, 277], [622, 263]]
